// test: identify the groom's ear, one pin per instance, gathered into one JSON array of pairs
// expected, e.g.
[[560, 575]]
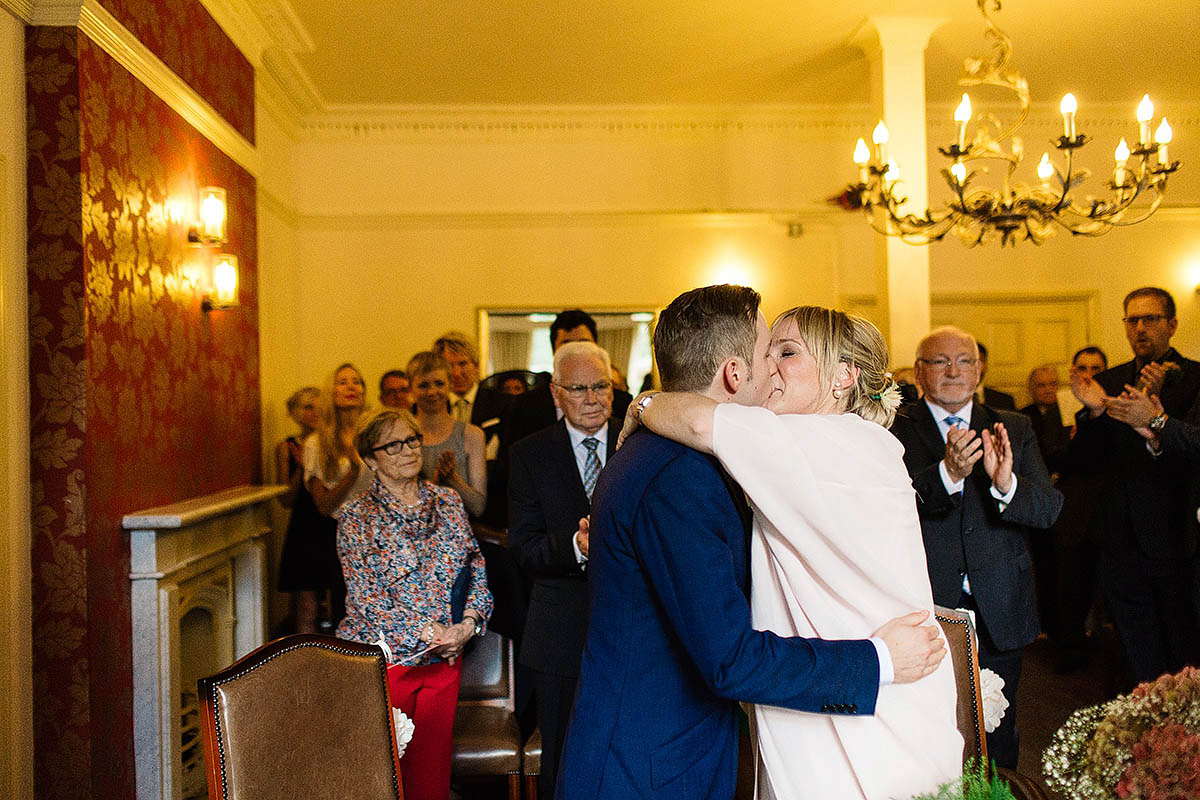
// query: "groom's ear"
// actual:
[[732, 375]]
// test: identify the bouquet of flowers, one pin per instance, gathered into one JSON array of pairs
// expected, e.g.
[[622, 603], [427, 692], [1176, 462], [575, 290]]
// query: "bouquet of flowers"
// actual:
[[1141, 746]]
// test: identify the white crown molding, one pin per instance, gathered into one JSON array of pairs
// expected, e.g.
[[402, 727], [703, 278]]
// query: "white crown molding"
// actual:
[[256, 27], [301, 93], [21, 9], [116, 40]]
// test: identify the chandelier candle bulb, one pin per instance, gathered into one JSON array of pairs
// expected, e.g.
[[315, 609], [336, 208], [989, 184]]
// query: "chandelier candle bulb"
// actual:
[[962, 115], [880, 137], [1145, 113], [1068, 107], [1045, 170], [959, 171], [1121, 154], [1162, 137], [861, 156]]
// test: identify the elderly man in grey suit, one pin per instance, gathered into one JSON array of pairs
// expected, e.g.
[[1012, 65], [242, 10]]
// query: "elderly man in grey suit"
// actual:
[[981, 483]]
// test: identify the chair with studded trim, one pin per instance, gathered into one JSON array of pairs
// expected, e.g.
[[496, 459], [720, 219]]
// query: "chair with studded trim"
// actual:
[[963, 648], [303, 716]]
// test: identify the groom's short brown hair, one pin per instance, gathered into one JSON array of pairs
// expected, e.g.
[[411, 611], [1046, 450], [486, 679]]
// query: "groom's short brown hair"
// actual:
[[700, 330]]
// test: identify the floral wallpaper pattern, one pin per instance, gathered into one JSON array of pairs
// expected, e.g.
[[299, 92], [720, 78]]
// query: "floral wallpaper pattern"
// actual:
[[138, 398], [191, 43]]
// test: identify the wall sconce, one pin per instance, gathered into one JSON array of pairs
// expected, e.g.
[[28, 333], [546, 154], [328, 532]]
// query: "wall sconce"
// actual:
[[210, 226], [224, 284]]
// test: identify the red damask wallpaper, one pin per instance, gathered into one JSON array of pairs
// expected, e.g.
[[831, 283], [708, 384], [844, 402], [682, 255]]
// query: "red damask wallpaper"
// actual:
[[138, 398], [183, 34]]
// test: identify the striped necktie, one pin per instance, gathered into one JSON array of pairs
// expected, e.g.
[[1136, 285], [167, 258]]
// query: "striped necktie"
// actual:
[[591, 465]]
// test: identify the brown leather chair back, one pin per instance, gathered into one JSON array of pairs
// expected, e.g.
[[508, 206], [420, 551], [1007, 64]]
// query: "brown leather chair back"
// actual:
[[302, 717], [487, 674], [487, 739], [964, 654]]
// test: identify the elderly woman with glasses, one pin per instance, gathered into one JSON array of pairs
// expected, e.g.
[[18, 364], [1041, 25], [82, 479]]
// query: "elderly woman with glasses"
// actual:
[[415, 583]]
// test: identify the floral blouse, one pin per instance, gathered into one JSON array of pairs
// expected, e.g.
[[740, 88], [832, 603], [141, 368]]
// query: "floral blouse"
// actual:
[[400, 564]]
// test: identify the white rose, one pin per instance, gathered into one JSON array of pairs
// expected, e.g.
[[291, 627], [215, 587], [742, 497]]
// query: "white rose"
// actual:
[[995, 703], [404, 730]]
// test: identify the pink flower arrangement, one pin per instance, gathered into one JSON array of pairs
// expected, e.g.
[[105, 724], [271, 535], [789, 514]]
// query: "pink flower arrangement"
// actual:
[[1141, 746]]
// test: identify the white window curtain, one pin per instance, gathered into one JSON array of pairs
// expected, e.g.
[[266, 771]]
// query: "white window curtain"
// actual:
[[509, 350], [618, 342]]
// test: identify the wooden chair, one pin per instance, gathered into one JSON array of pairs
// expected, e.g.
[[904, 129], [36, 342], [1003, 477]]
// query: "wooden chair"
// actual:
[[964, 655], [303, 716], [487, 739], [531, 764]]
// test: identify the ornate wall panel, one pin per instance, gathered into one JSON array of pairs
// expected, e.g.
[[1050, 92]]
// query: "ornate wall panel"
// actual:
[[138, 398]]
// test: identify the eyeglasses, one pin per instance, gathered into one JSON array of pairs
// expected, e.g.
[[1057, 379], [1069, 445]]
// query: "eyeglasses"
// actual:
[[1144, 319], [576, 391], [393, 448], [942, 363]]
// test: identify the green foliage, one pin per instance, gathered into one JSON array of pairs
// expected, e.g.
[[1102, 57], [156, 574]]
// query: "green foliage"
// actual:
[[975, 784]]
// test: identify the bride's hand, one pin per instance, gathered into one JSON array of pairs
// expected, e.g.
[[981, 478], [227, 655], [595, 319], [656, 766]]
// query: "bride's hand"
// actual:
[[633, 416]]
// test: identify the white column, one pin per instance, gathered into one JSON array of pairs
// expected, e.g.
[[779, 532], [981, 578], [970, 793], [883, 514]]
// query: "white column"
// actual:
[[895, 48]]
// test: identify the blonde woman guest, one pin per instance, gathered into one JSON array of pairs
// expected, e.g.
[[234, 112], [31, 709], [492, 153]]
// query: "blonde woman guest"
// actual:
[[453, 452], [333, 473], [403, 544], [836, 551]]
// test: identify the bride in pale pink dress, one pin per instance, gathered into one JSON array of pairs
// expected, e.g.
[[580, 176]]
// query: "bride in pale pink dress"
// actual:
[[836, 551]]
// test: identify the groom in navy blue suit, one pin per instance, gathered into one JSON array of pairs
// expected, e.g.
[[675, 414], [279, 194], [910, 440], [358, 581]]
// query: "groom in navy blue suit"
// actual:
[[670, 647]]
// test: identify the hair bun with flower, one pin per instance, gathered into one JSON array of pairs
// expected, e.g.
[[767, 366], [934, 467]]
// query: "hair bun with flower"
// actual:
[[889, 397]]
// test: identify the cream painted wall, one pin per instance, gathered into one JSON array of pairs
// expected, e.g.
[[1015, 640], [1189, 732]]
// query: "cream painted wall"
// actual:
[[407, 225], [16, 682]]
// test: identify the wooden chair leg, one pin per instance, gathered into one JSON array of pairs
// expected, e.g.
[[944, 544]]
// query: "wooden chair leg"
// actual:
[[531, 787], [514, 786]]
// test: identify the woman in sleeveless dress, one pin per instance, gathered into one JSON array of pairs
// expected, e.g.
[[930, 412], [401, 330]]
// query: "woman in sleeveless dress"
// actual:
[[836, 551], [453, 451]]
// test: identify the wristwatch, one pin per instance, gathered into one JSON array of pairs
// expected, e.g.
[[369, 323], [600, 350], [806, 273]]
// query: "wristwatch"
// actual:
[[1156, 423], [474, 621], [642, 404]]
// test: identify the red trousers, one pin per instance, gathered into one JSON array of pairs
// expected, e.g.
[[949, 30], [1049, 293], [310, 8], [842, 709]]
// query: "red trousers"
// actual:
[[428, 696]]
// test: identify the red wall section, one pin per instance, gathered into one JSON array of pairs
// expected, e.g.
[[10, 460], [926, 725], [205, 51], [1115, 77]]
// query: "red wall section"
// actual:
[[138, 398], [184, 35]]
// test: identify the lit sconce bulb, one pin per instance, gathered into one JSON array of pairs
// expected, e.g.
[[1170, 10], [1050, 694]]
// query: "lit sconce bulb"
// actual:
[[1068, 107], [959, 171], [879, 137], [212, 214], [1145, 113], [962, 115], [224, 283], [1121, 155], [1045, 170], [861, 156], [1162, 136]]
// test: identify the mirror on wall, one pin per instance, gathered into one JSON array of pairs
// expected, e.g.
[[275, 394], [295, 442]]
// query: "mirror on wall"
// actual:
[[519, 339]]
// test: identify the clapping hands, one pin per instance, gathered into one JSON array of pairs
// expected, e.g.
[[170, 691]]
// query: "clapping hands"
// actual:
[[964, 448]]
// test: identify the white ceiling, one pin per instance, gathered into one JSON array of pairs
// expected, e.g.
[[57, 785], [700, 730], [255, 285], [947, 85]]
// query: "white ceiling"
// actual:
[[652, 52]]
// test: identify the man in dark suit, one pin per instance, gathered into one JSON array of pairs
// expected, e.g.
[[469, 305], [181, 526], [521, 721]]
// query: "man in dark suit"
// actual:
[[1147, 542], [553, 473], [535, 409], [670, 647], [980, 485]]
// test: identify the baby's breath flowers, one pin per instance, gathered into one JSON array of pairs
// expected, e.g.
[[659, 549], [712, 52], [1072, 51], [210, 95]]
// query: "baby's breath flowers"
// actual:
[[1141, 746]]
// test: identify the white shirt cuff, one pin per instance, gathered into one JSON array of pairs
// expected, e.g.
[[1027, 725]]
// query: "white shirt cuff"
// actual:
[[952, 487], [579, 556], [1006, 498], [887, 673]]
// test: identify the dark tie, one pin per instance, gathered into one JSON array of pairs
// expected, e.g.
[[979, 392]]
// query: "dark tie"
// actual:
[[591, 465]]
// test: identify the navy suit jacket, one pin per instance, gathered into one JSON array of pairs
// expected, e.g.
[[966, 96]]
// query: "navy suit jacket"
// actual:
[[968, 532], [670, 647], [546, 499]]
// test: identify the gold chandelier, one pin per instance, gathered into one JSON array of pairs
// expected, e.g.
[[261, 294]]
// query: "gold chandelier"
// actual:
[[975, 213]]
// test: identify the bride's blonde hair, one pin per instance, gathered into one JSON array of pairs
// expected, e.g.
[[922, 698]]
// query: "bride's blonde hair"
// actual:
[[835, 337]]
